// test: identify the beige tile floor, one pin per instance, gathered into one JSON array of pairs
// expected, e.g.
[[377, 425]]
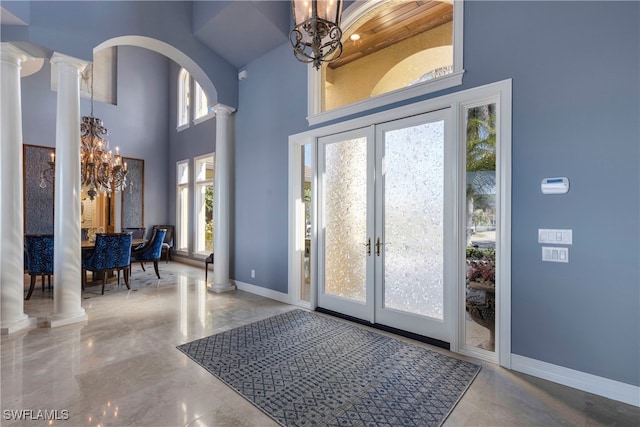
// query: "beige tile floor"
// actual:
[[121, 368]]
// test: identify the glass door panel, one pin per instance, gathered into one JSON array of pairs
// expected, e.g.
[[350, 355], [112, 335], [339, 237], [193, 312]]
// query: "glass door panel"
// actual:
[[410, 274], [344, 228], [480, 283]]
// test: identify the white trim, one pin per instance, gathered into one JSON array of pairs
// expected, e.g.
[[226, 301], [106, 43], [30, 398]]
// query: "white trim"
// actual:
[[315, 115], [500, 91], [204, 118], [444, 82], [263, 292], [590, 383]]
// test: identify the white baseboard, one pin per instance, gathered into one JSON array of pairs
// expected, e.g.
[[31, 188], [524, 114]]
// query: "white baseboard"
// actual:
[[263, 292], [605, 387]]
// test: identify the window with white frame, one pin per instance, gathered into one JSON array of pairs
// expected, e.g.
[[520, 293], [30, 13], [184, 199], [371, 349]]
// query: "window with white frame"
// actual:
[[204, 173], [184, 96], [202, 110], [182, 206], [403, 60]]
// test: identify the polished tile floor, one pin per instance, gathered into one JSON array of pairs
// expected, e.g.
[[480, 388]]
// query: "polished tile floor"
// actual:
[[122, 368]]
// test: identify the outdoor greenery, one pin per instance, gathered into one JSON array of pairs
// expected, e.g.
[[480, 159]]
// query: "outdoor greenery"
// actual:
[[208, 227]]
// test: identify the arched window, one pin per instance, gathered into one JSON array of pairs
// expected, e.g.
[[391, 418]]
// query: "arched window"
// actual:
[[183, 98], [392, 50], [202, 110]]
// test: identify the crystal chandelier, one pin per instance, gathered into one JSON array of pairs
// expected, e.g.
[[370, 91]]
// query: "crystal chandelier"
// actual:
[[100, 170], [316, 36]]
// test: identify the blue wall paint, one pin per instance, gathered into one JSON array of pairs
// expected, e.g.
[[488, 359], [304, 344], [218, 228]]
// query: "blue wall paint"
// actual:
[[271, 110], [75, 28], [137, 124], [575, 71]]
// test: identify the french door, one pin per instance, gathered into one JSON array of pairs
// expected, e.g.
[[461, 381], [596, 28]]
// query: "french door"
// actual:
[[387, 215]]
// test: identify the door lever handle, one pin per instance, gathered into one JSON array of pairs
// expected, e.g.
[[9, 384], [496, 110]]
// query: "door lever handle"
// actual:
[[378, 244], [368, 245]]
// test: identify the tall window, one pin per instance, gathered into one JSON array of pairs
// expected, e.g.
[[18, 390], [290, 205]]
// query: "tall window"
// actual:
[[204, 175], [182, 206], [184, 95], [201, 103]]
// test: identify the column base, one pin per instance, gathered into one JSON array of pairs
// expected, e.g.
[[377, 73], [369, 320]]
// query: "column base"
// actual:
[[62, 320], [221, 287], [24, 323]]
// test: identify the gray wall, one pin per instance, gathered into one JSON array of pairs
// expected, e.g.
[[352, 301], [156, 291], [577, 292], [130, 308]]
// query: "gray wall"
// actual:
[[272, 107], [138, 124], [575, 71]]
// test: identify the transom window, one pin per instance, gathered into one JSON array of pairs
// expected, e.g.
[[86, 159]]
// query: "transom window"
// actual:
[[392, 50]]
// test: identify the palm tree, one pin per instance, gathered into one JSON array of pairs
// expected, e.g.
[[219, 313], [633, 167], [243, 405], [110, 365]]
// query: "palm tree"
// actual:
[[481, 159]]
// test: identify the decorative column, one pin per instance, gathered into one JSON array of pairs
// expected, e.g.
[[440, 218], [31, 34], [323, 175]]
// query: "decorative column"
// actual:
[[12, 317], [221, 282], [67, 253]]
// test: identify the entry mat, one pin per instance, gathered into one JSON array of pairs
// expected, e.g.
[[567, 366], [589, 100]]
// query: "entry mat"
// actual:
[[304, 369]]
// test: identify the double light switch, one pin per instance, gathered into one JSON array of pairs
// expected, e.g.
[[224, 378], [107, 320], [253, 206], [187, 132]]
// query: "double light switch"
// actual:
[[555, 237]]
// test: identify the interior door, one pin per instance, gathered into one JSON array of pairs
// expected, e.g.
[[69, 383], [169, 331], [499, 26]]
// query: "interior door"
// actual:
[[415, 218], [345, 223]]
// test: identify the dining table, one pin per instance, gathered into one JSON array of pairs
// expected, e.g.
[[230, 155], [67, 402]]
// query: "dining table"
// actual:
[[89, 244]]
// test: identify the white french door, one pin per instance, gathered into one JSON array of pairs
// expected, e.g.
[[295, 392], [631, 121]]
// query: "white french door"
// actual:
[[386, 204]]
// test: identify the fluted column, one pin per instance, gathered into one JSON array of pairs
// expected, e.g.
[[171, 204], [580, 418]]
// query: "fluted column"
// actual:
[[12, 317], [67, 265], [221, 282]]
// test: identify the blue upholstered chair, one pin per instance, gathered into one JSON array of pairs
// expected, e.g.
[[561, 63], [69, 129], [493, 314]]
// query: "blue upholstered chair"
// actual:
[[112, 252], [167, 243], [151, 250], [38, 252]]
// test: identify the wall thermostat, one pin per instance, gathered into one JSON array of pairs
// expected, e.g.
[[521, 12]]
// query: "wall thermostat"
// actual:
[[555, 185]]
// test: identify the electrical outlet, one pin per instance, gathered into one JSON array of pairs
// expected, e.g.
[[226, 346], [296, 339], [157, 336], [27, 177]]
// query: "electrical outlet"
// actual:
[[253, 274]]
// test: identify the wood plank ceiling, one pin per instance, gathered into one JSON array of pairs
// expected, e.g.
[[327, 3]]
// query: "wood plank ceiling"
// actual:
[[392, 24]]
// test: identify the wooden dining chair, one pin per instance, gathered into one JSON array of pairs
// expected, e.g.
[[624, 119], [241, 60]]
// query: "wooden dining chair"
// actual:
[[112, 251], [38, 252]]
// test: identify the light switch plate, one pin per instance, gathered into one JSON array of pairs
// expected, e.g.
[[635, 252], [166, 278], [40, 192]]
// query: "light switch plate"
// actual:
[[555, 254], [555, 236]]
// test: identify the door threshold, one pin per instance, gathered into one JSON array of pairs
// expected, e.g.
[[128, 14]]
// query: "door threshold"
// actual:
[[396, 331]]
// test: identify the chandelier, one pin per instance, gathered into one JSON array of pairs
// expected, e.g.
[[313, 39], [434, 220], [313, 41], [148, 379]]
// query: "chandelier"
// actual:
[[316, 36], [100, 170]]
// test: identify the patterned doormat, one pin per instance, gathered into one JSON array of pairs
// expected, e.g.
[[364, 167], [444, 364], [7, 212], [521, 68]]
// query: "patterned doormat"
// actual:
[[303, 369]]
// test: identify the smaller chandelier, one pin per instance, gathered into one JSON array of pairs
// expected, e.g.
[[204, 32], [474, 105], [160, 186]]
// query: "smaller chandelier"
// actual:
[[316, 36], [100, 170]]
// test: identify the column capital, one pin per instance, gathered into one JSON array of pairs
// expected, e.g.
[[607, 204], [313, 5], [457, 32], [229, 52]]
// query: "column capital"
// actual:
[[223, 110], [60, 58], [13, 54]]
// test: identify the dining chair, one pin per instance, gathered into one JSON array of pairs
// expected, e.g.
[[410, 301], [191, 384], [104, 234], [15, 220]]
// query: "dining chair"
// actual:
[[136, 232], [38, 253], [150, 251], [167, 243], [112, 251]]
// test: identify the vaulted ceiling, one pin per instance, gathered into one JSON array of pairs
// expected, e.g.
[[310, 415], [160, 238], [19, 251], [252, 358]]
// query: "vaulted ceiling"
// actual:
[[241, 31]]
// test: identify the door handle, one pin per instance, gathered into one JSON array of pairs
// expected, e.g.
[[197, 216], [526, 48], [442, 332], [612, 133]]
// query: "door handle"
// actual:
[[378, 244], [368, 245]]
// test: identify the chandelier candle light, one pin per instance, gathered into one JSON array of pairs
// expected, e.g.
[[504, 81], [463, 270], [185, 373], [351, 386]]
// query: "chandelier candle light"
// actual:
[[100, 170], [316, 36]]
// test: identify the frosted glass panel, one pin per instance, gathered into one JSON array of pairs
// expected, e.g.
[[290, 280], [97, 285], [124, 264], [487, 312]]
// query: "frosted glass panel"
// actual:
[[345, 216], [413, 219]]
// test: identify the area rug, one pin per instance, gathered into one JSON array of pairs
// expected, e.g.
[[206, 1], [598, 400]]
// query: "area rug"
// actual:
[[304, 369]]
